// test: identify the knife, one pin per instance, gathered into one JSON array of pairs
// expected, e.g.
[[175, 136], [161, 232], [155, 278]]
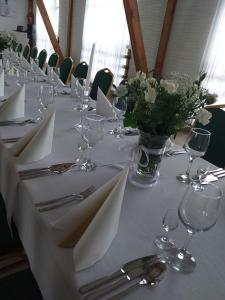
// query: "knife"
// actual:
[[134, 264]]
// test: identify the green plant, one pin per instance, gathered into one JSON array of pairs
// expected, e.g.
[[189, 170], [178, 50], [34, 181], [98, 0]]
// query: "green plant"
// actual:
[[6, 40], [162, 107]]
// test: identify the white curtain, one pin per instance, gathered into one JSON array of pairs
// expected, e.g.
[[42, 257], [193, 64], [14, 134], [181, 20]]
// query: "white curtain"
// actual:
[[105, 23], [213, 61], [43, 41]]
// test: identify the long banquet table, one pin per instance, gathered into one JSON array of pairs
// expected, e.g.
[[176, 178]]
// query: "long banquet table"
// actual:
[[140, 220]]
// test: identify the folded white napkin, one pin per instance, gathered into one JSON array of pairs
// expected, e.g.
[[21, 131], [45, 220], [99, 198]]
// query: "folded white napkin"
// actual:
[[103, 106], [2, 84], [73, 82], [55, 76], [92, 224], [37, 143], [14, 106]]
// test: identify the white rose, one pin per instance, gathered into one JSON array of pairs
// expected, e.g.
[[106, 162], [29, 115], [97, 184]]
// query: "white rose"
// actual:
[[169, 85], [203, 116], [121, 90], [150, 95], [152, 80]]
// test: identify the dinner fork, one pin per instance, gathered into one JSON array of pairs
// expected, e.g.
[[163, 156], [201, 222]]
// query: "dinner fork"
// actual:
[[58, 202]]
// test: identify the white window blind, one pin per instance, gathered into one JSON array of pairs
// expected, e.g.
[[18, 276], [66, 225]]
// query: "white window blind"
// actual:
[[105, 23], [43, 41], [213, 61]]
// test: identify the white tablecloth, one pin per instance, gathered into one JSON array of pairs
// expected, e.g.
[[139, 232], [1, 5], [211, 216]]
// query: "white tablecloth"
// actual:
[[140, 222]]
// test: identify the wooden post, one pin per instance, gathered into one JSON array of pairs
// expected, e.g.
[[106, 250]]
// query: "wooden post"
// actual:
[[49, 28], [166, 29], [134, 26], [69, 26]]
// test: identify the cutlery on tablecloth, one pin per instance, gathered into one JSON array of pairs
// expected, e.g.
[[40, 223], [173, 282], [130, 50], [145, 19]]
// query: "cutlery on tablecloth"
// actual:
[[134, 264], [171, 152], [152, 271], [10, 140], [53, 169], [152, 277], [14, 122], [57, 202]]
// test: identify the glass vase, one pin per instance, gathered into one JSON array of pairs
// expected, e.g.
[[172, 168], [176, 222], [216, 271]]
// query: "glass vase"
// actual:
[[146, 170]]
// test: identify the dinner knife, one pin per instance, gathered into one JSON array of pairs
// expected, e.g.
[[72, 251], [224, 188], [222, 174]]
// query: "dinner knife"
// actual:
[[126, 268]]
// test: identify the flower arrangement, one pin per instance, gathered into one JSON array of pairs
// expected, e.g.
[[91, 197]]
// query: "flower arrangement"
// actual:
[[6, 39], [162, 107]]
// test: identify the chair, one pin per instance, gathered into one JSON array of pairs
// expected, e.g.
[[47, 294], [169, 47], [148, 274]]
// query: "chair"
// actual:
[[33, 53], [65, 69], [103, 79], [81, 70], [19, 48], [26, 51], [53, 61], [215, 153], [42, 58]]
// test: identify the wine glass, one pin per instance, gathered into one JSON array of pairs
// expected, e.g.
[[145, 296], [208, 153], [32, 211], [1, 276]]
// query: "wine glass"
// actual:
[[92, 133], [47, 95], [170, 223], [196, 145], [119, 110], [198, 211]]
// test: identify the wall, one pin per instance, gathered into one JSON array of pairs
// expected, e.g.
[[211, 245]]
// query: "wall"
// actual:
[[19, 18]]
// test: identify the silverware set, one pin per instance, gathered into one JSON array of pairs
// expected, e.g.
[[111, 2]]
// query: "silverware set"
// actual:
[[9, 140], [147, 270], [14, 122], [53, 169], [214, 175], [171, 152], [61, 201]]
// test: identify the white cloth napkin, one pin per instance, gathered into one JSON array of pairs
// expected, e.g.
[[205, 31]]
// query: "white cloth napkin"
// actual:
[[37, 143], [2, 84], [103, 106], [14, 106], [73, 82], [92, 224]]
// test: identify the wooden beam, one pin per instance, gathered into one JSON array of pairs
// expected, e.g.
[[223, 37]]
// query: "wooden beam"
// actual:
[[166, 29], [30, 6], [69, 26], [49, 28], [134, 26]]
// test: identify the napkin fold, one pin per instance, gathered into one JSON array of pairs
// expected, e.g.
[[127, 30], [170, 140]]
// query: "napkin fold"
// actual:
[[14, 106], [2, 84], [92, 224], [37, 143], [103, 106]]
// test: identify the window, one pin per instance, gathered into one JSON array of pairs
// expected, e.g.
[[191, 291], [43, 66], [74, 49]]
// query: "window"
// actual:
[[105, 24], [43, 41], [214, 59]]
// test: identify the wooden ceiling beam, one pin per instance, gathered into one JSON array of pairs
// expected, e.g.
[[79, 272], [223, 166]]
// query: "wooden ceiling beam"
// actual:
[[69, 27], [166, 29], [49, 28], [136, 37]]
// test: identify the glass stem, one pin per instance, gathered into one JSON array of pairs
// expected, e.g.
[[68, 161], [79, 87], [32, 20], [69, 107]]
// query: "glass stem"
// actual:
[[188, 240], [191, 159]]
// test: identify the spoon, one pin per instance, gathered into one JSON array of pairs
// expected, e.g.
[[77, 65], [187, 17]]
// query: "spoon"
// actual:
[[152, 277]]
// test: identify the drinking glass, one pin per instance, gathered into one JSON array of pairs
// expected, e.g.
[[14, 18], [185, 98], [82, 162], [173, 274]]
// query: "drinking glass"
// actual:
[[119, 111], [198, 211], [92, 132], [196, 145], [46, 95], [170, 223]]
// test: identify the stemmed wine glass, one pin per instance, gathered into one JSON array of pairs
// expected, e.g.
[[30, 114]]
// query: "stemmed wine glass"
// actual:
[[196, 145], [198, 211], [170, 223], [119, 111]]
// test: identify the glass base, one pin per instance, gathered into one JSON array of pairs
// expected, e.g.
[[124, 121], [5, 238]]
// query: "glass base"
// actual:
[[182, 261], [142, 181], [184, 178], [77, 126], [88, 166], [162, 242]]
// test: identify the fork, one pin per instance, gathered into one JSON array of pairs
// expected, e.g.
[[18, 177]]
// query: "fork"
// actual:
[[58, 202]]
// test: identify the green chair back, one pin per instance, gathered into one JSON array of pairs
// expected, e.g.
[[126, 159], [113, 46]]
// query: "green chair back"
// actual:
[[65, 69], [53, 60], [103, 79], [26, 51], [81, 70], [19, 48], [42, 58], [33, 53], [215, 153]]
